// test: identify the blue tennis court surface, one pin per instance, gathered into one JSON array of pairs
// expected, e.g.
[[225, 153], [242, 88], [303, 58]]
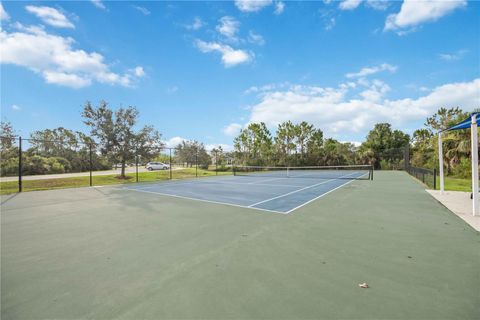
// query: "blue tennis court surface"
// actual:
[[278, 194]]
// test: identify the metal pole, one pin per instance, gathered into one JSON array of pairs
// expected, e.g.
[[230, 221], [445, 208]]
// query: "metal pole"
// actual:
[[440, 161], [91, 165], [196, 163], [216, 164], [20, 164], [136, 164], [434, 179], [170, 149], [474, 130]]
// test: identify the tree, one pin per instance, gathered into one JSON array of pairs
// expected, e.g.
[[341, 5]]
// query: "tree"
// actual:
[[254, 144], [284, 142], [423, 149], [218, 155], [456, 144], [7, 135], [8, 150], [116, 135], [303, 134], [385, 144], [314, 147], [189, 153]]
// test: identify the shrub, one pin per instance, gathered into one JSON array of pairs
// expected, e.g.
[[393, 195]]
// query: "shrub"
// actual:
[[463, 169]]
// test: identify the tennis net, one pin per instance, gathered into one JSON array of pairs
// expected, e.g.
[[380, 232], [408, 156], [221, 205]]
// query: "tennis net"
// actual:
[[352, 172]]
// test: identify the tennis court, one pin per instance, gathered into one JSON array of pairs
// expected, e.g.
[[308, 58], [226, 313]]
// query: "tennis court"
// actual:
[[273, 189], [121, 253]]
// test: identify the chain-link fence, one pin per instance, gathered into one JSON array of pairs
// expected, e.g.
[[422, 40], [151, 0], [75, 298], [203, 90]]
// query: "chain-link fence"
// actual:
[[34, 164]]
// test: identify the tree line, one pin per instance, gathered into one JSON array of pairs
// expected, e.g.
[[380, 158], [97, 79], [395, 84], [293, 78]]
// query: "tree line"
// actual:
[[113, 141], [456, 144], [304, 145]]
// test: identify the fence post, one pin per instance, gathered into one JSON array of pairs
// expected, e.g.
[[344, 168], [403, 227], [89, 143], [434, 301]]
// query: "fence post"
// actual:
[[196, 163], [406, 157], [216, 164], [20, 164], [170, 164], [136, 164], [434, 179], [91, 164]]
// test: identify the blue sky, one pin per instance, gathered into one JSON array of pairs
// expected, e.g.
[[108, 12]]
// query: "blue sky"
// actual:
[[203, 70]]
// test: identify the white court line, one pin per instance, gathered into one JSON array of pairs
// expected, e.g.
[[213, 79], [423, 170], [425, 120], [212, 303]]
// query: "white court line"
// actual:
[[256, 182], [295, 191], [214, 182], [323, 194], [202, 200]]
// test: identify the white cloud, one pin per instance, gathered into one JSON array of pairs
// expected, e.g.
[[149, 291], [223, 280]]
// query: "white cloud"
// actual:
[[66, 79], [99, 4], [232, 129], [16, 108], [328, 18], [330, 23], [138, 72], [196, 24], [3, 14], [453, 56], [413, 13], [378, 4], [337, 112], [143, 10], [252, 5], [56, 60], [279, 8], [225, 147], [230, 57], [355, 143], [173, 142], [228, 27], [372, 70], [50, 16], [349, 4], [255, 38]]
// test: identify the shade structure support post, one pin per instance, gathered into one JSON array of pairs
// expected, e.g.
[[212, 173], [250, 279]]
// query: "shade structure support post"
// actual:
[[20, 169], [474, 131], [440, 161]]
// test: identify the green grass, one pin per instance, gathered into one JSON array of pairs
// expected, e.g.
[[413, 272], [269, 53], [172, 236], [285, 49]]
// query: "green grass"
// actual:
[[75, 182], [452, 184], [457, 184]]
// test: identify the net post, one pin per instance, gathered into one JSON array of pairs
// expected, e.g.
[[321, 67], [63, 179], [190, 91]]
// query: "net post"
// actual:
[[20, 164], [91, 164], [371, 172]]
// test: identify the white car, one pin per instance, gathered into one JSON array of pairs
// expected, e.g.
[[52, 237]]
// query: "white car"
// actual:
[[157, 166]]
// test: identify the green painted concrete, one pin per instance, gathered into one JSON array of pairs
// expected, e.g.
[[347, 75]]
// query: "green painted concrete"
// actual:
[[105, 253]]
